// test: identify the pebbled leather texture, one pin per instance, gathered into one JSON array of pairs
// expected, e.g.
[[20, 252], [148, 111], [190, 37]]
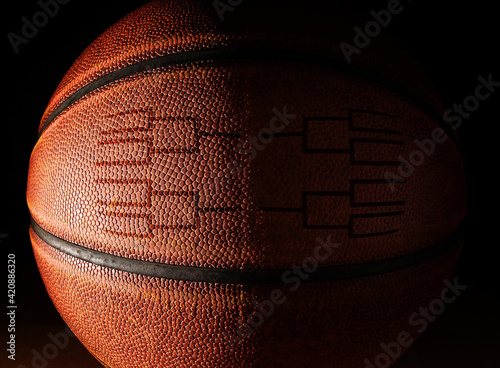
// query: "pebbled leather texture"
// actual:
[[128, 320], [239, 164], [169, 174]]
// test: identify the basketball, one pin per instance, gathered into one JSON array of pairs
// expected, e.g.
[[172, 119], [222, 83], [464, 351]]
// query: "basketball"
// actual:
[[245, 185]]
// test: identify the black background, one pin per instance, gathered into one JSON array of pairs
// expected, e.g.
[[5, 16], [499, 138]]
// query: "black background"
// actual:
[[455, 42]]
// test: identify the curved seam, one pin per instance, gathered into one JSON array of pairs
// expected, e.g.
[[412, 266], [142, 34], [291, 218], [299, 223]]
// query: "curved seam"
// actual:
[[242, 276], [283, 55]]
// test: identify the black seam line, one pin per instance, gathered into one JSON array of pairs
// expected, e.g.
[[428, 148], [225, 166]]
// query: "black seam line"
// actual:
[[247, 276], [282, 55]]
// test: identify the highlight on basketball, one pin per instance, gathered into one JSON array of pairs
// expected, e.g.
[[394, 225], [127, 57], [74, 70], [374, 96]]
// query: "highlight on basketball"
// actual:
[[212, 187]]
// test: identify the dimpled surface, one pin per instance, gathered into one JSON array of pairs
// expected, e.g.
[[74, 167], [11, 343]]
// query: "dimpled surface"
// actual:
[[238, 164], [129, 321], [170, 174]]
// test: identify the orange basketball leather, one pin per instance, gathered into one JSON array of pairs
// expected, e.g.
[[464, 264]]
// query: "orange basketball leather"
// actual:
[[129, 320], [174, 164]]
